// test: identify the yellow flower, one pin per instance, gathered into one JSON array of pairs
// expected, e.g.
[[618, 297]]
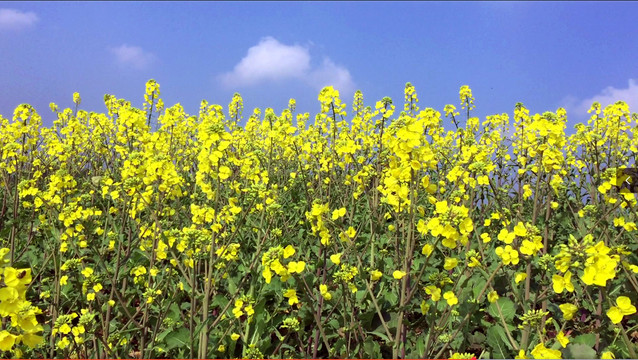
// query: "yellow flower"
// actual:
[[474, 262], [520, 230], [291, 294], [7, 340], [509, 255], [521, 354], [221, 348], [88, 272], [375, 275], [520, 277], [296, 266], [338, 213], [424, 307], [14, 277], [451, 298], [492, 296], [450, 263], [561, 283], [78, 330], [568, 310], [224, 172], [137, 271], [288, 251], [237, 311], [32, 340], [267, 274], [457, 355], [336, 258], [527, 191], [434, 291], [601, 267], [234, 336], [506, 236], [562, 339], [427, 249], [63, 343], [441, 207], [616, 313], [531, 247], [541, 352], [63, 280], [466, 226], [607, 355], [398, 274], [323, 290], [65, 329]]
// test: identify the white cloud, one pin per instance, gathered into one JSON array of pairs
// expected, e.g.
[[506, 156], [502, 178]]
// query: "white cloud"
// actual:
[[331, 74], [607, 96], [271, 60], [133, 56], [11, 19]]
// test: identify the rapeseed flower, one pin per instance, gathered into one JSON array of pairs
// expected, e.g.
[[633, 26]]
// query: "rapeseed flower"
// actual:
[[398, 274], [568, 310], [562, 339], [623, 307], [450, 298], [561, 283], [541, 352], [507, 254]]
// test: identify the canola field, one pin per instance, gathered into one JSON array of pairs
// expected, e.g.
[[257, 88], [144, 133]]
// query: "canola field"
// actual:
[[358, 232]]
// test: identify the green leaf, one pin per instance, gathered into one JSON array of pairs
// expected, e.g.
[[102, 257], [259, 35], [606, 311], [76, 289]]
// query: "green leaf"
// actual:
[[478, 286], [584, 339], [420, 346], [476, 338], [579, 351], [219, 300], [334, 324], [179, 338], [380, 334], [174, 313], [497, 340], [232, 285], [391, 298], [338, 346], [360, 295], [372, 349], [508, 309], [163, 334]]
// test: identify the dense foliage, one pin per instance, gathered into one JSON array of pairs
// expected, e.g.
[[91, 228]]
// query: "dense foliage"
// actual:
[[153, 233]]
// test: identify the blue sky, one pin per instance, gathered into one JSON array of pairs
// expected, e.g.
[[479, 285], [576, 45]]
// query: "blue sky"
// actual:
[[543, 54]]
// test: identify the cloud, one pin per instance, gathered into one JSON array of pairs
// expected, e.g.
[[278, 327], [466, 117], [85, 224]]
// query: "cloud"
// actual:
[[331, 74], [271, 60], [11, 19], [607, 96], [133, 56]]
